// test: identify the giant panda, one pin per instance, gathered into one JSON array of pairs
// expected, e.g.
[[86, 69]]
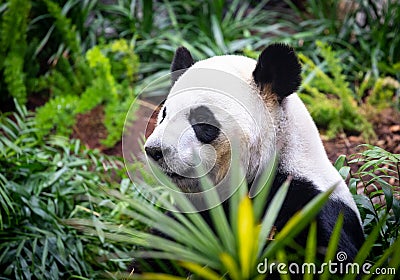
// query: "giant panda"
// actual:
[[265, 115]]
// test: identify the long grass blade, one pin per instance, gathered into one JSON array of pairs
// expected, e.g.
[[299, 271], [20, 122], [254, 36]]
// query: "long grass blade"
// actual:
[[333, 244], [271, 215], [201, 271], [311, 249]]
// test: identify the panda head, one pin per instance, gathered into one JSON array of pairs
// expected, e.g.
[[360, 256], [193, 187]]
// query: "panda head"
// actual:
[[219, 103]]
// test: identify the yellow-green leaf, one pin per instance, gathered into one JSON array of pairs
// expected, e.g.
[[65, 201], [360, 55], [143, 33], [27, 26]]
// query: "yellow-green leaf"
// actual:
[[202, 271], [246, 235], [231, 266]]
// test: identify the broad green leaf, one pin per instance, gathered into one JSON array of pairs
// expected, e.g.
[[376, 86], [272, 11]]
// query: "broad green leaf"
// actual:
[[344, 172], [387, 190], [340, 162]]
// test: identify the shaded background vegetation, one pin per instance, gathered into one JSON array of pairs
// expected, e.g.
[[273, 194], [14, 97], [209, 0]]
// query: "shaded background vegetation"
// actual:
[[60, 60]]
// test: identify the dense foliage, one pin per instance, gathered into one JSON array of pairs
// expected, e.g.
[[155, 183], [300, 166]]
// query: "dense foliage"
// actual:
[[378, 175], [42, 182], [233, 252], [104, 77], [70, 212], [74, 74], [51, 183], [366, 31], [329, 98]]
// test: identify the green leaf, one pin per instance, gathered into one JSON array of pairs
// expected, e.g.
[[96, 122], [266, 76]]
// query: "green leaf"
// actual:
[[396, 209], [247, 236], [260, 191], [387, 190], [368, 244], [271, 214], [311, 248], [333, 244], [231, 266], [391, 254], [344, 172], [340, 162], [218, 35], [99, 228], [45, 253], [364, 202], [203, 272]]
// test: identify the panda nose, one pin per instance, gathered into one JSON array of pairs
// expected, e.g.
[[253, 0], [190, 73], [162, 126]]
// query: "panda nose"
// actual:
[[154, 152]]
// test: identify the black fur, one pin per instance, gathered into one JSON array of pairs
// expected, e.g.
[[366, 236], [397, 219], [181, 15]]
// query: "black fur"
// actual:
[[154, 152], [279, 67], [299, 194], [204, 124], [182, 61]]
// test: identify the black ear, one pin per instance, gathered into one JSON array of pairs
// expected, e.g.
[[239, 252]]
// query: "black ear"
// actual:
[[278, 67], [182, 61]]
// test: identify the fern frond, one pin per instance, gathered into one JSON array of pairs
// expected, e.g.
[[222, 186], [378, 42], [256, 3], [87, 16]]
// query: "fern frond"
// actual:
[[13, 47]]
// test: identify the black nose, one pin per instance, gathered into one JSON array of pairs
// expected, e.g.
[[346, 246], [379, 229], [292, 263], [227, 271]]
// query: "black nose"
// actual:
[[154, 152]]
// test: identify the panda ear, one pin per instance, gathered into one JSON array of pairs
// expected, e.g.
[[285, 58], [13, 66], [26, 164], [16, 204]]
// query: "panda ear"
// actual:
[[182, 61], [278, 68]]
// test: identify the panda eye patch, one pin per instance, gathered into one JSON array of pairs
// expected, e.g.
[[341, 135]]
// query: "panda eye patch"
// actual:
[[204, 124]]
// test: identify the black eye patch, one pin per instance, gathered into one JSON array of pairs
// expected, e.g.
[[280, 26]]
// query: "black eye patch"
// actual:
[[204, 124]]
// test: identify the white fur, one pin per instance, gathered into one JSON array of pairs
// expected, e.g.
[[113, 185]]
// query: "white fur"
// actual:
[[289, 127], [235, 104], [303, 154]]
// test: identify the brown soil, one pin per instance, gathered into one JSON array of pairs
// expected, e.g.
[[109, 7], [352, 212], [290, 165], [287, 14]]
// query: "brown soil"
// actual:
[[90, 130], [387, 128]]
